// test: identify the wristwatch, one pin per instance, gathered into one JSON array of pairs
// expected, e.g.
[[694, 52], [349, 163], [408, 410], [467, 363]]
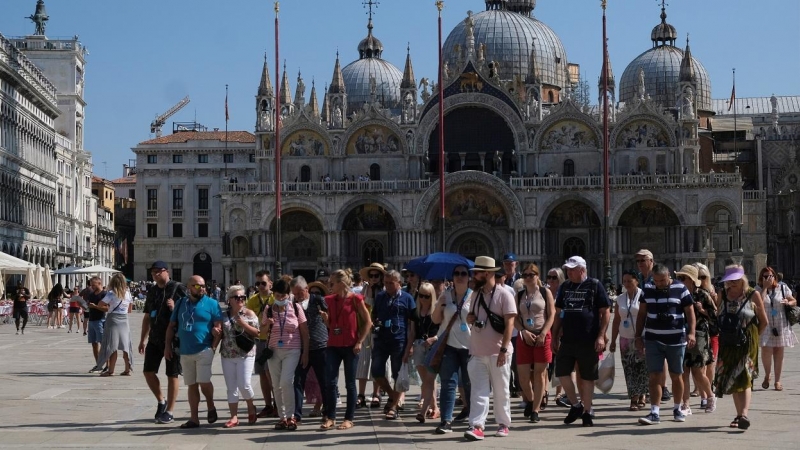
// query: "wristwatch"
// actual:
[[503, 350]]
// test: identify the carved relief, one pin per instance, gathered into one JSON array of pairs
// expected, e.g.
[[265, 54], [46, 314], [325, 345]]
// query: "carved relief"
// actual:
[[642, 134], [568, 135]]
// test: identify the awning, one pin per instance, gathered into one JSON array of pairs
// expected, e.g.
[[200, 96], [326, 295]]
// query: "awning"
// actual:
[[721, 124]]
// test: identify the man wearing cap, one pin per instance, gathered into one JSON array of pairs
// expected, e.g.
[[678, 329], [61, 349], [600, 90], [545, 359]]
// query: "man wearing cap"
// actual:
[[644, 264], [510, 264], [489, 367], [257, 303], [501, 277], [158, 306], [579, 335], [664, 328]]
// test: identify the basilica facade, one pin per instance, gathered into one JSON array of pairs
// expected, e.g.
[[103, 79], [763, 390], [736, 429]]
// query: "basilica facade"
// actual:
[[523, 159]]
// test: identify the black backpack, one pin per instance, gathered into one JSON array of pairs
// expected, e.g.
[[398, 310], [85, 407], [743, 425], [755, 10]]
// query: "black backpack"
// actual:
[[729, 325]]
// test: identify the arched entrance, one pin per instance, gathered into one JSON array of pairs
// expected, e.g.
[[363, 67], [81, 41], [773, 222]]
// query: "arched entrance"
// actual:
[[647, 224], [302, 241], [368, 234], [472, 245], [240, 249], [202, 266], [572, 229], [472, 135]]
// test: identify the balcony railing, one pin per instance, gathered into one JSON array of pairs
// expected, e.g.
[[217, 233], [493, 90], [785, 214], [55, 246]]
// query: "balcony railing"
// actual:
[[202, 214], [628, 181], [63, 141], [754, 195], [177, 214], [329, 186], [152, 214]]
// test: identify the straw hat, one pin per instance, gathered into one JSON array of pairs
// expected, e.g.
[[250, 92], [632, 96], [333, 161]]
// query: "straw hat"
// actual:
[[691, 272], [318, 285], [364, 272], [485, 264]]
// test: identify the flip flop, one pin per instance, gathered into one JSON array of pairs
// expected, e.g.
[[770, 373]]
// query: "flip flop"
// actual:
[[765, 384], [231, 424], [107, 374], [127, 373], [778, 386], [346, 425], [190, 424], [327, 424]]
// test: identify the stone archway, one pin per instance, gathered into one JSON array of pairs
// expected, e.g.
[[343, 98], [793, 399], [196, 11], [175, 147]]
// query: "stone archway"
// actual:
[[572, 228], [202, 266], [472, 244], [368, 234], [647, 224]]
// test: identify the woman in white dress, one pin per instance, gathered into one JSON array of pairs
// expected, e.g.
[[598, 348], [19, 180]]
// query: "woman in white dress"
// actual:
[[778, 334], [116, 335]]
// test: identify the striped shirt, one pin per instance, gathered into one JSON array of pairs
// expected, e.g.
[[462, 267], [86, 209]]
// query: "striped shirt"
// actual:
[[672, 302]]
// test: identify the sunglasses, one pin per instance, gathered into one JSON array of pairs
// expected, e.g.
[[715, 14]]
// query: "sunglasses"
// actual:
[[241, 298], [198, 286], [261, 283], [552, 277], [529, 275], [375, 275], [639, 261], [767, 276], [703, 277], [681, 278], [424, 296], [461, 273], [316, 292]]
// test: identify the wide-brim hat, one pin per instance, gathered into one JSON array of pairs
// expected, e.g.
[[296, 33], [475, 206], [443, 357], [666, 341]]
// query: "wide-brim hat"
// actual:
[[485, 264], [733, 274], [318, 285], [691, 272], [364, 272]]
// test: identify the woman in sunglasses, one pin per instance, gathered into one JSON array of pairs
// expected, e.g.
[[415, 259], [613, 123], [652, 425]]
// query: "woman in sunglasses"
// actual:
[[778, 334], [237, 363], [536, 313], [426, 335], [626, 313], [704, 275]]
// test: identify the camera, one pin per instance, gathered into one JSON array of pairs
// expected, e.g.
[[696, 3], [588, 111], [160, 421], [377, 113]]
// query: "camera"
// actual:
[[664, 317], [376, 329], [480, 323], [775, 332]]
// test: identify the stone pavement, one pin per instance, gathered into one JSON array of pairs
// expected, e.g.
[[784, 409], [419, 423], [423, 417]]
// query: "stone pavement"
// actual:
[[48, 400]]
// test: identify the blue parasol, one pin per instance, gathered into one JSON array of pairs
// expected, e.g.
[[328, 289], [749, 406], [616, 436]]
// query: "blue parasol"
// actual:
[[438, 266]]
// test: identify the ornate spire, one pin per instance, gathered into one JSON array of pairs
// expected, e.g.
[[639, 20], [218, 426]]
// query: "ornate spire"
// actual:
[[687, 73], [337, 83], [409, 82], [534, 75], [300, 92], [663, 33], [265, 86], [313, 106], [324, 113], [608, 73], [370, 47], [286, 95]]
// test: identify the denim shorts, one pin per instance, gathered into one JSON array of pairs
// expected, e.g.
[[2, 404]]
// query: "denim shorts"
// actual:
[[655, 352], [96, 331]]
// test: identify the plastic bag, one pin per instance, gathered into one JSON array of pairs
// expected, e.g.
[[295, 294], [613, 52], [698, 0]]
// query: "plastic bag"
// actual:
[[403, 383], [413, 377], [555, 381], [605, 379]]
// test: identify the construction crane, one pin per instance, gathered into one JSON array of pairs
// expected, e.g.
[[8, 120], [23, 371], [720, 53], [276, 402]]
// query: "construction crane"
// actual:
[[155, 126]]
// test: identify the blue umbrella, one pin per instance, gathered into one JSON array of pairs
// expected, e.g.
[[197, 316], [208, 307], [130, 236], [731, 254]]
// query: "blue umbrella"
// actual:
[[438, 266]]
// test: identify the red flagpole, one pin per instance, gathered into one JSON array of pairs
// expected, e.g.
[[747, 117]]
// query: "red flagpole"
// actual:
[[606, 185], [439, 6], [278, 268]]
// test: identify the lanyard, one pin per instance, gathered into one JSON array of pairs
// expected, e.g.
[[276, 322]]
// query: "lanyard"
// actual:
[[479, 299], [460, 305], [631, 302], [282, 321]]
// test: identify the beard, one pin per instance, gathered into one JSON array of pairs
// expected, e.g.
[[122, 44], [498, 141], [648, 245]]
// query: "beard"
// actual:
[[479, 283]]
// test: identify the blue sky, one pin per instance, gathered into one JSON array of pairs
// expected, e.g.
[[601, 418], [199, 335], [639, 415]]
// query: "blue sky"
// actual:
[[145, 55]]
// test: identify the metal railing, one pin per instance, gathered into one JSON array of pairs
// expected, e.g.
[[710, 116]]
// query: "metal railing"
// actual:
[[329, 186]]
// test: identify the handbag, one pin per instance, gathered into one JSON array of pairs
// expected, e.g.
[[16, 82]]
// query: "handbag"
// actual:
[[792, 312], [243, 341], [497, 321], [433, 360]]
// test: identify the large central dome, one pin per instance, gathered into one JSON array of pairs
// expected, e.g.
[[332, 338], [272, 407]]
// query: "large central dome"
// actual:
[[357, 74], [510, 39]]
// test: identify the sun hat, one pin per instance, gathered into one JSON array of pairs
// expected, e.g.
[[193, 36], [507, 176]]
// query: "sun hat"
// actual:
[[364, 272], [485, 264], [691, 272], [733, 274]]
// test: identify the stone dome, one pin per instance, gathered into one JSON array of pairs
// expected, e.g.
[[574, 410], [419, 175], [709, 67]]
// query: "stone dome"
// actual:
[[356, 76], [510, 37], [662, 68]]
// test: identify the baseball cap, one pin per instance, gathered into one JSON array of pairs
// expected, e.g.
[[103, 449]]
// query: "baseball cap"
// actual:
[[573, 262], [645, 252], [322, 273], [161, 265], [509, 257]]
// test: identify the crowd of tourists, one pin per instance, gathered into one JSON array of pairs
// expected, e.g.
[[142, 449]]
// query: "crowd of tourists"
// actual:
[[486, 332]]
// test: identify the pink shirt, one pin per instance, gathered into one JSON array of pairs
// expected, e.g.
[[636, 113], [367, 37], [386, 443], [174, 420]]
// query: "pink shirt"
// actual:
[[286, 327], [485, 341]]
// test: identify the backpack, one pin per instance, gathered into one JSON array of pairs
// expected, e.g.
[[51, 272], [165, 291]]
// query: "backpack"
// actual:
[[729, 325]]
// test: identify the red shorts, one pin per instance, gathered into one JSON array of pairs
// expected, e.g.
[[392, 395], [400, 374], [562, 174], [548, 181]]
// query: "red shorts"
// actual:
[[530, 355], [714, 346]]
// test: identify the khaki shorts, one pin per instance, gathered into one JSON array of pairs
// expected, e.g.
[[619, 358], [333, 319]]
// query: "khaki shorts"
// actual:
[[197, 367]]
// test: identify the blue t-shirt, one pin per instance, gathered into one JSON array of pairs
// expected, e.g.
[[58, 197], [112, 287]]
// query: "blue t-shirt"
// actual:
[[195, 321], [672, 302], [580, 305], [392, 314]]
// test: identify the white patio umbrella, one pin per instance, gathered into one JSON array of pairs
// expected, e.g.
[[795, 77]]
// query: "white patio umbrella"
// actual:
[[30, 281], [47, 280]]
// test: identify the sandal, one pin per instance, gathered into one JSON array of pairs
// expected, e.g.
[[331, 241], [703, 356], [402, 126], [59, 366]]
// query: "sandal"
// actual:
[[433, 414], [362, 401], [778, 386], [744, 423], [641, 402], [291, 424], [281, 425], [545, 400], [634, 406], [231, 424], [421, 418], [735, 422], [127, 373], [327, 424], [190, 424], [376, 402], [212, 415], [765, 384], [346, 425], [107, 374], [315, 413], [391, 414], [252, 418]]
